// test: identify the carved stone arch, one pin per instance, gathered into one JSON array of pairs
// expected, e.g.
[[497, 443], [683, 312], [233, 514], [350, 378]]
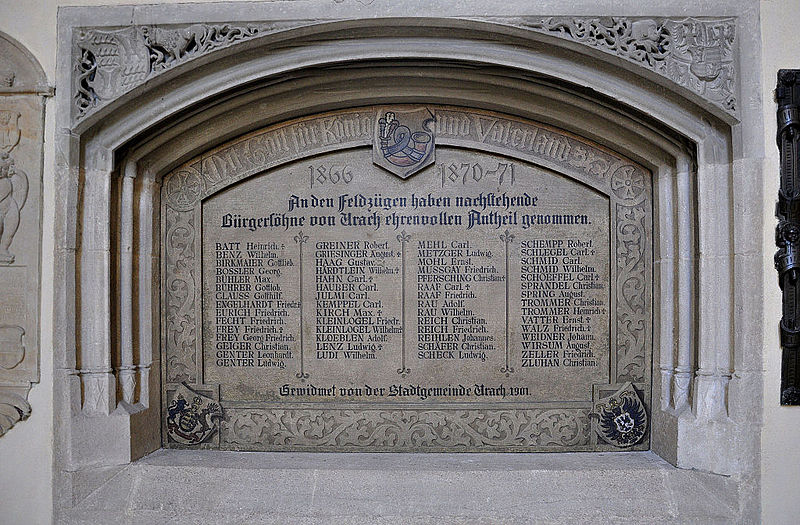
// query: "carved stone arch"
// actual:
[[21, 72], [694, 57], [122, 144], [23, 89]]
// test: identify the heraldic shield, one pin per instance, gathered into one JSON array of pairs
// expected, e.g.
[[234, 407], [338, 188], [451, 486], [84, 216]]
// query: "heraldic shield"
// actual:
[[622, 418], [190, 416], [404, 141], [12, 351]]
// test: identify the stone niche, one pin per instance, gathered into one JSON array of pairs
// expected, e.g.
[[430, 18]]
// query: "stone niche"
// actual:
[[342, 232], [490, 292]]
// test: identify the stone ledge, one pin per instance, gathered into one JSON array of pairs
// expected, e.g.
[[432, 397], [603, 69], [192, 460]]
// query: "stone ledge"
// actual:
[[257, 487]]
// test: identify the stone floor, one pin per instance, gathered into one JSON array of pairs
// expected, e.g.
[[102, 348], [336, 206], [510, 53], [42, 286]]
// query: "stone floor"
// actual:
[[172, 486]]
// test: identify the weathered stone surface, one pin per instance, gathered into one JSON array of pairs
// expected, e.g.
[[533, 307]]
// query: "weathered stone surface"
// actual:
[[409, 488], [178, 111], [22, 85], [697, 54], [471, 305]]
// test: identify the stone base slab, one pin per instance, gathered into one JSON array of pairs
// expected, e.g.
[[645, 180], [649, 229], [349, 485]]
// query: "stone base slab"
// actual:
[[183, 486]]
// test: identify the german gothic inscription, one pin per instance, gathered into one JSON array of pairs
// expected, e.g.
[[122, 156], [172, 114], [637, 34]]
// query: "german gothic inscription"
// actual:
[[408, 278]]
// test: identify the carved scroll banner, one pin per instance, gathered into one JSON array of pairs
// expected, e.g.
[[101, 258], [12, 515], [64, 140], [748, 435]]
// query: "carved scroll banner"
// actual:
[[346, 287], [787, 233], [22, 94]]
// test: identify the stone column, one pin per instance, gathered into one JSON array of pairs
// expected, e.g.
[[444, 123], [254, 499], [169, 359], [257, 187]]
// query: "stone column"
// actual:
[[665, 274], [147, 262], [126, 372], [686, 274], [715, 340], [97, 380]]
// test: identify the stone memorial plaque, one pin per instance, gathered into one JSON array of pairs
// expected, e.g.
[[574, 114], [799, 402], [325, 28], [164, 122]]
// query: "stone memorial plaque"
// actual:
[[23, 90], [408, 278]]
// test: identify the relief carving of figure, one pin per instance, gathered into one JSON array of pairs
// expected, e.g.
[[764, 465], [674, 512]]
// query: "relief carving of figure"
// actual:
[[9, 130], [13, 194]]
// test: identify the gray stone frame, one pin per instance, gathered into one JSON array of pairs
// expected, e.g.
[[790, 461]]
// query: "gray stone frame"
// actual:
[[547, 427], [707, 389]]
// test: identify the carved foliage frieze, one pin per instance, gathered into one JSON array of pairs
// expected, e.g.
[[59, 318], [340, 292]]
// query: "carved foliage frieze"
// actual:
[[111, 62], [180, 296], [284, 429], [630, 186], [696, 53]]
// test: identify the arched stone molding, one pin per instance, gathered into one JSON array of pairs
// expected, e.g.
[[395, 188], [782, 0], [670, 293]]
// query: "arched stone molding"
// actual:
[[114, 157], [20, 72], [695, 57], [23, 91]]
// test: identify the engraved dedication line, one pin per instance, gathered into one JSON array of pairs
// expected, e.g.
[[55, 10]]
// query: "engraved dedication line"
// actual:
[[407, 278]]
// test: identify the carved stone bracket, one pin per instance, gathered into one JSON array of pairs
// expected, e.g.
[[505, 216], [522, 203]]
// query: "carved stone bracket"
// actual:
[[14, 408], [697, 54]]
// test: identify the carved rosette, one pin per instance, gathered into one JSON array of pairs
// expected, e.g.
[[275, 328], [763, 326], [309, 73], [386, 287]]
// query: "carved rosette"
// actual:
[[403, 429]]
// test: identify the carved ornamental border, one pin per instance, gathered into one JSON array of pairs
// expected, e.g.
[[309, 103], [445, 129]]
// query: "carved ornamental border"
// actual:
[[629, 188], [699, 54]]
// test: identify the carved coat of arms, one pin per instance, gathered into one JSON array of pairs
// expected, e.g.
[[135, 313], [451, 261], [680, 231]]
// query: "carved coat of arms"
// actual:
[[12, 351], [190, 416], [622, 418], [404, 141]]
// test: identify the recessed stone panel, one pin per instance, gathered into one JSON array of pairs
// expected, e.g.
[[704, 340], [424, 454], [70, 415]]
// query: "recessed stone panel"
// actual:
[[478, 303]]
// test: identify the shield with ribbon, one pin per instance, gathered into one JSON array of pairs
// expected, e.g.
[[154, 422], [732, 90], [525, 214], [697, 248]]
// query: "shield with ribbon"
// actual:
[[404, 141]]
